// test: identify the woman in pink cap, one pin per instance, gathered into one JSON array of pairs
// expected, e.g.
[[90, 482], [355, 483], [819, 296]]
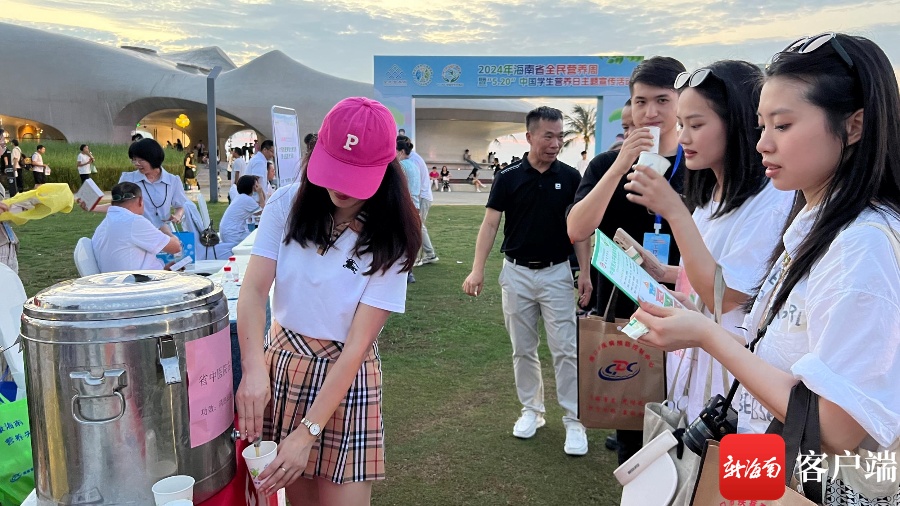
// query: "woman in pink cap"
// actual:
[[337, 245]]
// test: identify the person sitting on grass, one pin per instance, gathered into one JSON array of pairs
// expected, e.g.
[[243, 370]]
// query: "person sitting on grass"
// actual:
[[125, 240]]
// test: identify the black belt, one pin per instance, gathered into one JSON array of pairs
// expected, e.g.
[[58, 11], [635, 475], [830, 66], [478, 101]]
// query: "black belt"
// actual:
[[535, 264]]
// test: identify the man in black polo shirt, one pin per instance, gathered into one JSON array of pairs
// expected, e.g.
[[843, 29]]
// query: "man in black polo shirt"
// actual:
[[601, 200], [536, 279]]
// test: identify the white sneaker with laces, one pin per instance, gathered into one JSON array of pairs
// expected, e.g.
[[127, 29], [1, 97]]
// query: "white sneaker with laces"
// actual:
[[429, 260], [576, 440], [528, 424]]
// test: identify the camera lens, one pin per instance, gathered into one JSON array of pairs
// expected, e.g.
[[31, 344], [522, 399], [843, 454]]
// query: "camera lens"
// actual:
[[696, 435]]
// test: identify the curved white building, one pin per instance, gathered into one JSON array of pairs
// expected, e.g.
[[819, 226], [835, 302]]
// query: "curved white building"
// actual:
[[71, 89]]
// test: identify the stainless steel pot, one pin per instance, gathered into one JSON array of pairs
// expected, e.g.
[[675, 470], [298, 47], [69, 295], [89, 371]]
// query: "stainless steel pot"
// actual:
[[107, 386]]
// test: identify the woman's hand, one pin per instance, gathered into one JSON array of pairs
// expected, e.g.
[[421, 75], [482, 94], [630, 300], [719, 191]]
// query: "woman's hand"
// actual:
[[176, 216], [3, 207], [673, 328], [293, 455], [252, 397], [651, 190]]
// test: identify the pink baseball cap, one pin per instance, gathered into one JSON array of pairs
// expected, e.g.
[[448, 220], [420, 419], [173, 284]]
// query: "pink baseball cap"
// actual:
[[357, 141]]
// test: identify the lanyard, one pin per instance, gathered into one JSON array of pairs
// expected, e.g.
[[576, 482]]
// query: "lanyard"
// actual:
[[657, 225]]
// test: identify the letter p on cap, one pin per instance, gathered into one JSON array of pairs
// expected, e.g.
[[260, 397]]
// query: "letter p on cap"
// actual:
[[352, 140]]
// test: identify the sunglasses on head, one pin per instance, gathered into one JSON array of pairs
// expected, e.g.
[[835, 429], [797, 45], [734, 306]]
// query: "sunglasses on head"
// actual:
[[807, 45], [119, 197], [692, 79]]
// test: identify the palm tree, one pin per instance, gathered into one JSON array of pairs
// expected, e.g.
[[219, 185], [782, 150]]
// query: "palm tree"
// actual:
[[581, 125]]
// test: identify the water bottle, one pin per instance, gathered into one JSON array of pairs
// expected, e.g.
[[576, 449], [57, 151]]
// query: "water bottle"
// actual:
[[227, 278], [235, 270]]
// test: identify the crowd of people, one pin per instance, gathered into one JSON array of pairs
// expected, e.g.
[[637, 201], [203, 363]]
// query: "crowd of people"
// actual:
[[785, 181]]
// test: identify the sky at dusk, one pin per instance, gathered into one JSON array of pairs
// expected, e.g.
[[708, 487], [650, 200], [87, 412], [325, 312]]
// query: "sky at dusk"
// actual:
[[340, 37]]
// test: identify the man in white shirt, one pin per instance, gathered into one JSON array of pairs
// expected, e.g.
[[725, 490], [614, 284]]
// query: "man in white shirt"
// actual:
[[238, 166], [427, 255], [583, 163], [259, 161], [38, 167], [125, 240]]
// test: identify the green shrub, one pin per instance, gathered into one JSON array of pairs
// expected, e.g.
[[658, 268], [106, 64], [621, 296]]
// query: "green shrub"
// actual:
[[111, 161]]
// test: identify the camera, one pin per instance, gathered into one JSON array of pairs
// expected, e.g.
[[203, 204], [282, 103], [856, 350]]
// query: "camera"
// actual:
[[717, 420]]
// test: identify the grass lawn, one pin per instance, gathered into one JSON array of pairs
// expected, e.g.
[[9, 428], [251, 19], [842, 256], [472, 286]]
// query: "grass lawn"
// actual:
[[449, 398]]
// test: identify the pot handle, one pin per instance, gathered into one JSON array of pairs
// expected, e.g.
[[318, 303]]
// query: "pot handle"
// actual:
[[108, 385]]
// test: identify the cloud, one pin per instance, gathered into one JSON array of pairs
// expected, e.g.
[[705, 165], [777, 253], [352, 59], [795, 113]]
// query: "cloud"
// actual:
[[340, 37]]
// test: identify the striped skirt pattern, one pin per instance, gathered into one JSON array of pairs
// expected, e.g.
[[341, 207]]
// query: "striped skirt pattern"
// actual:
[[351, 445]]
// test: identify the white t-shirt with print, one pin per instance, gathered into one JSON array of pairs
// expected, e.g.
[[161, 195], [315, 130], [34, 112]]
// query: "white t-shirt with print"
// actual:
[[839, 331], [317, 295], [126, 241], [234, 222], [741, 242], [84, 169], [37, 162]]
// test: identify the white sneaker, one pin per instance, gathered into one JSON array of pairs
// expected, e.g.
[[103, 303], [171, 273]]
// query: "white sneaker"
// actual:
[[576, 440], [420, 262], [429, 260], [528, 424]]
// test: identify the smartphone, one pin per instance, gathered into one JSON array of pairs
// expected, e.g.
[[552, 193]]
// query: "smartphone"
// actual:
[[181, 263], [637, 252]]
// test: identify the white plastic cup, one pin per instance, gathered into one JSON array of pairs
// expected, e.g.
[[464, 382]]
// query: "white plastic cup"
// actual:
[[655, 131], [654, 161], [268, 450], [180, 502], [175, 487]]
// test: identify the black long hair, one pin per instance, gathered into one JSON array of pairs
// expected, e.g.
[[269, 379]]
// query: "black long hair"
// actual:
[[733, 94], [868, 173], [391, 226]]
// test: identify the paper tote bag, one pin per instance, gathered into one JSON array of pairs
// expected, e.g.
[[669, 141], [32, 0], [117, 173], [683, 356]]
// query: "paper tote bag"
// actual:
[[617, 375], [706, 489]]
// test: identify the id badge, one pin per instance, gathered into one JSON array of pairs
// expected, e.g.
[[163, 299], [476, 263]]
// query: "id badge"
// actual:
[[658, 244]]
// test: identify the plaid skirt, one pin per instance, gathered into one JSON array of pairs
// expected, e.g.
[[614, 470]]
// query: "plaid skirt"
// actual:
[[351, 445]]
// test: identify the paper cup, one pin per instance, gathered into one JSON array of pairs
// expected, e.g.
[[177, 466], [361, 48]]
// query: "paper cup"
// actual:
[[654, 161], [268, 450], [180, 502], [175, 487], [655, 131]]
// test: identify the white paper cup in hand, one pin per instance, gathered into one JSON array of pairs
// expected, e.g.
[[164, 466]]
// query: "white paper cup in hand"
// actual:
[[655, 131], [654, 161], [175, 487], [268, 450]]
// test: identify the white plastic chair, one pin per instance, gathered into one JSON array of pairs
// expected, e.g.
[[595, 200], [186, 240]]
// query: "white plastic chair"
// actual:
[[85, 261], [204, 212]]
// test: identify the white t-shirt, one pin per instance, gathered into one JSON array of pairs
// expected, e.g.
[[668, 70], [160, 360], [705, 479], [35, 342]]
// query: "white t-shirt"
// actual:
[[17, 157], [126, 241], [840, 331], [160, 196], [582, 166], [741, 242], [258, 166], [424, 179], [237, 169], [84, 169], [234, 222], [36, 162], [317, 295]]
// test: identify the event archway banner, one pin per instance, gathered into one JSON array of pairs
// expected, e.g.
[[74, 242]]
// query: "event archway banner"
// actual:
[[400, 79], [286, 136]]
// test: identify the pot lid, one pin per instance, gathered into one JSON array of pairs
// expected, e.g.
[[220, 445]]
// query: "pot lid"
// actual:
[[119, 295]]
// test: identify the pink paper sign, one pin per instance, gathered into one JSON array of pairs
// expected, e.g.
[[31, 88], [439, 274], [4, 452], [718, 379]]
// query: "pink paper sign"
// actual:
[[210, 386]]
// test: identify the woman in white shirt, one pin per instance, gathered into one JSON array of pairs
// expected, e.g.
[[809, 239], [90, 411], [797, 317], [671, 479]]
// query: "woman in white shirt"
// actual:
[[234, 227], [338, 246], [828, 312], [737, 217], [164, 197], [85, 162]]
